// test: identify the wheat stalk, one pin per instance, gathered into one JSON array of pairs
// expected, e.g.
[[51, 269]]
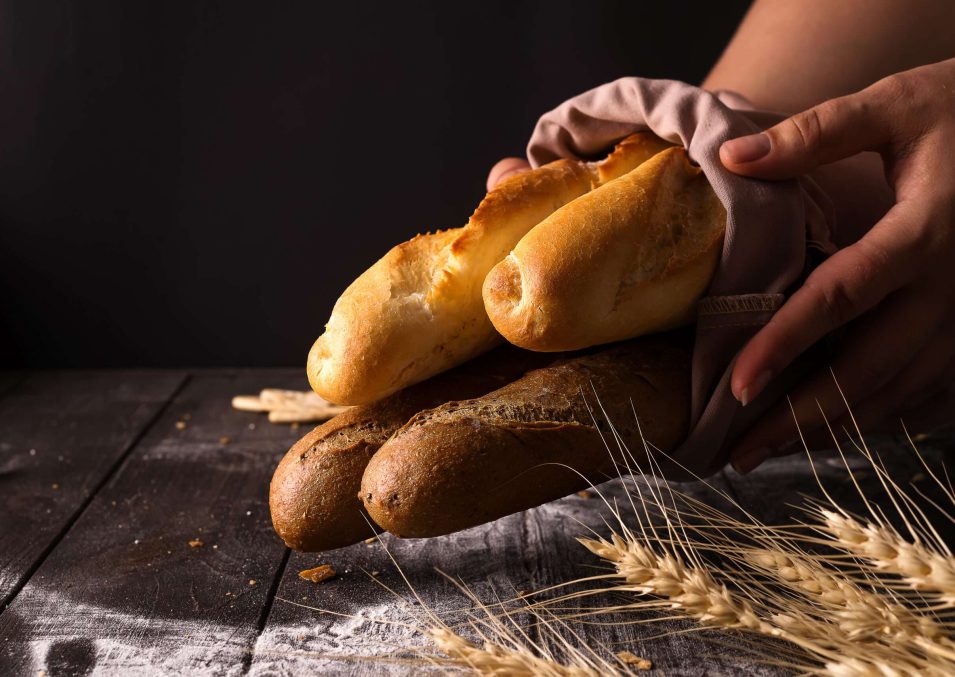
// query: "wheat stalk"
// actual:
[[697, 594], [925, 570], [500, 661], [861, 614], [690, 589]]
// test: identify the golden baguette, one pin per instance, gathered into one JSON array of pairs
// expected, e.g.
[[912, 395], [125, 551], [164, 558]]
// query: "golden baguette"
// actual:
[[629, 258], [418, 310]]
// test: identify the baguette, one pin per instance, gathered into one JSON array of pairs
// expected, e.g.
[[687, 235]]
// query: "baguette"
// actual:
[[419, 310], [468, 462], [629, 258], [313, 496]]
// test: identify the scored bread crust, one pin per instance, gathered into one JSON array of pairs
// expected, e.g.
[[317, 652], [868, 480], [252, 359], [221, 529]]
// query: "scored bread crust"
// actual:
[[313, 496], [468, 462], [629, 258], [419, 310]]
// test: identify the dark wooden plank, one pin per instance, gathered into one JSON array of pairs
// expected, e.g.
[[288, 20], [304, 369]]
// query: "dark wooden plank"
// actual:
[[523, 552], [774, 489], [61, 434], [124, 591]]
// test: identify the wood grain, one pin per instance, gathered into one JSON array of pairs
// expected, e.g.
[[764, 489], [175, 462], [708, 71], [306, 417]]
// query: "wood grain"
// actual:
[[61, 434], [124, 590]]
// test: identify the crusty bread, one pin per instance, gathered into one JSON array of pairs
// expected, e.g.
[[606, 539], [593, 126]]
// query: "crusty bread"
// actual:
[[313, 496], [418, 310], [629, 258], [468, 462]]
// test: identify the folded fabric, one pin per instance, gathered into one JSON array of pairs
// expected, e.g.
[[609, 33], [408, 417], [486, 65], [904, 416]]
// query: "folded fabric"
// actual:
[[770, 227]]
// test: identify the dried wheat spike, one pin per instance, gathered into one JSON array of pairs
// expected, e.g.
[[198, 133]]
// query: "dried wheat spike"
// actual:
[[689, 589], [494, 659], [925, 570]]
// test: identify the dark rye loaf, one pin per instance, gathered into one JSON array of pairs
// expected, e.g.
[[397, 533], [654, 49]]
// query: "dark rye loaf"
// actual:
[[467, 462], [313, 496]]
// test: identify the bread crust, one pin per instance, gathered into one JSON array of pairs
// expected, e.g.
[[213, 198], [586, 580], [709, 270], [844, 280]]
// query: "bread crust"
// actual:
[[313, 496], [629, 258], [418, 310], [468, 462]]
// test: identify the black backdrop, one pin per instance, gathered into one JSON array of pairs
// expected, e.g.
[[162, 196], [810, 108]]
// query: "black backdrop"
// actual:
[[194, 184]]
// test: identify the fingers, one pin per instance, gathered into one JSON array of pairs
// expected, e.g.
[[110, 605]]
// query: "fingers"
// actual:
[[833, 130], [872, 356], [911, 389], [505, 168], [846, 285]]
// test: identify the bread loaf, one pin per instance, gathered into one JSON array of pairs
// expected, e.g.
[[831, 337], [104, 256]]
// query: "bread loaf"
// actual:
[[418, 310], [313, 496], [629, 258], [468, 462]]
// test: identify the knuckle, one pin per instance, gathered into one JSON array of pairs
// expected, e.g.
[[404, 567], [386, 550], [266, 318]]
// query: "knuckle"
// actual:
[[833, 300], [896, 88], [806, 128]]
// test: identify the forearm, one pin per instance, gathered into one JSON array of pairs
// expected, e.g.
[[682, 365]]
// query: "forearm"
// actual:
[[788, 55]]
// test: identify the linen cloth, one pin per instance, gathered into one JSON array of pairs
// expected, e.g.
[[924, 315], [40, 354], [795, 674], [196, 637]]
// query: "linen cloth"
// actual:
[[770, 228]]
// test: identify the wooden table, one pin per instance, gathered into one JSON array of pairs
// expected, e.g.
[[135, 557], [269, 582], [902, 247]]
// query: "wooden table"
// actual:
[[135, 539]]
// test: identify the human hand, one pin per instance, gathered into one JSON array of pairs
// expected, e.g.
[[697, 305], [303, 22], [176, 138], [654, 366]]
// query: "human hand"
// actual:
[[894, 288], [505, 168]]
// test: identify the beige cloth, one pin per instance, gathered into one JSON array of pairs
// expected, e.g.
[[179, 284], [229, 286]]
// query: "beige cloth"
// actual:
[[770, 227]]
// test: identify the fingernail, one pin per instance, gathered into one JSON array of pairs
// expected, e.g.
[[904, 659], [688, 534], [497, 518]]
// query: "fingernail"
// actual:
[[747, 148], [755, 387], [747, 461]]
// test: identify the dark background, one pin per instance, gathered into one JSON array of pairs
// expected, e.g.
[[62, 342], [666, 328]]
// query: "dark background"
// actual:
[[194, 184]]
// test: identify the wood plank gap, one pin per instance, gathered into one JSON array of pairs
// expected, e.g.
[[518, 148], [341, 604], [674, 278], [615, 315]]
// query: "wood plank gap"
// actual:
[[266, 610], [107, 476]]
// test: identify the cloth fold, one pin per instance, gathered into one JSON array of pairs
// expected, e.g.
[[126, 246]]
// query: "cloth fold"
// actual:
[[769, 226]]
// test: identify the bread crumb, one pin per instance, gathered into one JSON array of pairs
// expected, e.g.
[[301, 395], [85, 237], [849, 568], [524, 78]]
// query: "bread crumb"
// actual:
[[252, 581], [319, 574], [628, 658], [375, 573], [55, 486], [371, 541], [196, 543], [585, 494], [180, 425], [225, 439]]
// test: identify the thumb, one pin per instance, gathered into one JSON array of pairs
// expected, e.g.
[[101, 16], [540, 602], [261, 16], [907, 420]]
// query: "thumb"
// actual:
[[831, 131]]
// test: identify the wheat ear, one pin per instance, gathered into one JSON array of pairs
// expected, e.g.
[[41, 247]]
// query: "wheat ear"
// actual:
[[690, 589], [923, 569], [500, 661]]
